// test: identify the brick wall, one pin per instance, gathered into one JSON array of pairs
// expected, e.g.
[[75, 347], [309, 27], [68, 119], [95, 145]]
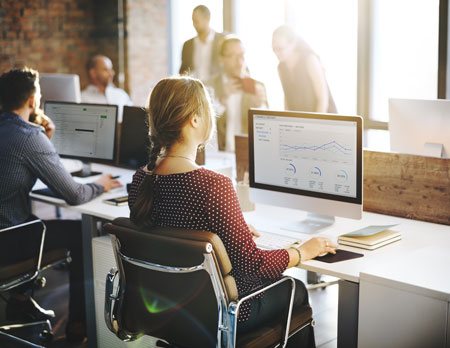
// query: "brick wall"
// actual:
[[56, 35], [146, 46], [60, 35]]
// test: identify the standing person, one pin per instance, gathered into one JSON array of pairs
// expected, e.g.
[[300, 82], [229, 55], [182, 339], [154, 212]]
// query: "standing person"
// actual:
[[199, 57], [102, 90], [235, 92], [172, 191], [27, 155], [302, 76]]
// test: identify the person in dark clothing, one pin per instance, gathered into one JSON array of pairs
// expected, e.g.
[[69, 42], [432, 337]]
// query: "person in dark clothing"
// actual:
[[301, 74], [27, 155]]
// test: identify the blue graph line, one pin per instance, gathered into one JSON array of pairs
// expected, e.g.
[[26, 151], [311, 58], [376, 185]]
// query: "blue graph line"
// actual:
[[333, 145]]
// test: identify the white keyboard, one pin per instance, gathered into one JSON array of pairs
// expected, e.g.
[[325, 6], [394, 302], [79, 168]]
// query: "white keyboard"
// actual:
[[272, 241]]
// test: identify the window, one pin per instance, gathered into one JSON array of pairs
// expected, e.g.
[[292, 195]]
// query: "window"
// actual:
[[330, 27], [255, 28], [404, 52]]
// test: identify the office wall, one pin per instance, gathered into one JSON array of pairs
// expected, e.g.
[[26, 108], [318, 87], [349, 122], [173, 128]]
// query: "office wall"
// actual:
[[60, 35], [146, 46], [56, 35]]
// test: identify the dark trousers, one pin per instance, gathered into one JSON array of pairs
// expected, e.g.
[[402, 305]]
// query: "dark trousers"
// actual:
[[66, 234], [275, 303]]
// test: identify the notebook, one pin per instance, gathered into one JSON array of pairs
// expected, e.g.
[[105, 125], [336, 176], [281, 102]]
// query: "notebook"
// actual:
[[371, 241]]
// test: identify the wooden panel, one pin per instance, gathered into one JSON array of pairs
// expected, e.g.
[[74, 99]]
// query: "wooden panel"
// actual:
[[415, 187], [241, 149]]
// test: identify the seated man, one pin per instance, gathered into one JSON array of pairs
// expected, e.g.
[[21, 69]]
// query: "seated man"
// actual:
[[27, 155], [235, 92], [102, 90]]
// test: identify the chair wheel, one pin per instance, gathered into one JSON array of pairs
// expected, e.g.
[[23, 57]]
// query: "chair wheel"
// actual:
[[45, 336], [39, 283]]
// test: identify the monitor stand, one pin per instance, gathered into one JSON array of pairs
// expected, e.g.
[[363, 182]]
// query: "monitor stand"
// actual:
[[85, 171], [313, 223]]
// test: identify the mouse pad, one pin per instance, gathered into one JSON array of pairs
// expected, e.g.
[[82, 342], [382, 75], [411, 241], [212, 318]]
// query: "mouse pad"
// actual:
[[341, 255]]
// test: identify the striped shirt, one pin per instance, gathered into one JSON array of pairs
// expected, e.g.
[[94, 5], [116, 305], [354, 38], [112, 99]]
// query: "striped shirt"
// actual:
[[26, 154]]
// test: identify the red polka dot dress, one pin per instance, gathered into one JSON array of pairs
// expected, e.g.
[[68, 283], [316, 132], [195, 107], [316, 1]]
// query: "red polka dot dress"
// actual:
[[205, 200]]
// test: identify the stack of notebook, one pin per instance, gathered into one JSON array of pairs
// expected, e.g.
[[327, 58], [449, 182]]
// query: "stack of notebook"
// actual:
[[371, 237]]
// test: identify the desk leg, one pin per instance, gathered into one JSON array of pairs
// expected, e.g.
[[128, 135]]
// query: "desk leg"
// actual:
[[89, 231], [348, 314]]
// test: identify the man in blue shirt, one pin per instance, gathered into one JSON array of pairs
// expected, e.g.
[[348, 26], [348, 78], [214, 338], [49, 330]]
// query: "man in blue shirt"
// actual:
[[27, 155]]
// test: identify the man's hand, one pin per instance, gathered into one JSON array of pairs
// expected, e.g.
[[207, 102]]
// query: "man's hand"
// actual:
[[259, 98], [108, 182], [49, 126]]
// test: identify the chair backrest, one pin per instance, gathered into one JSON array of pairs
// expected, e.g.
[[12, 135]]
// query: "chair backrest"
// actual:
[[174, 283], [17, 267]]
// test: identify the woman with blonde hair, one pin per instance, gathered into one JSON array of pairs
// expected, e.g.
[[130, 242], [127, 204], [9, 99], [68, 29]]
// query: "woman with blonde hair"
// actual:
[[173, 191]]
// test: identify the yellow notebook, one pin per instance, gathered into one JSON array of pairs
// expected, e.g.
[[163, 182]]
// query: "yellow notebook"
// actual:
[[372, 241]]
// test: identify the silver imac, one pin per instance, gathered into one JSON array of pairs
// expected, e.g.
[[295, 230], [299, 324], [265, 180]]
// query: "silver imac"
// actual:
[[60, 87], [306, 161], [420, 127]]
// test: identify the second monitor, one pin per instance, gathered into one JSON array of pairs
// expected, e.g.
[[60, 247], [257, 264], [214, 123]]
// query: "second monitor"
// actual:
[[134, 139], [307, 161]]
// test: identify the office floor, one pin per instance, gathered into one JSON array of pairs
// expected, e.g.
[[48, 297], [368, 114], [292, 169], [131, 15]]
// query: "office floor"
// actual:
[[55, 295]]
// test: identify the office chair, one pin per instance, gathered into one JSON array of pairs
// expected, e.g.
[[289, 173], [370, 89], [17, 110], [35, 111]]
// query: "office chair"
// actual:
[[174, 284], [17, 269]]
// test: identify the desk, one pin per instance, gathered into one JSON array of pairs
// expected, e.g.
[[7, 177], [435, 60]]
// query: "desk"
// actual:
[[414, 269], [419, 238]]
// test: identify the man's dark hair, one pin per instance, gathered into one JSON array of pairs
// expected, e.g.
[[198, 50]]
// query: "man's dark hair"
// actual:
[[203, 10], [16, 86]]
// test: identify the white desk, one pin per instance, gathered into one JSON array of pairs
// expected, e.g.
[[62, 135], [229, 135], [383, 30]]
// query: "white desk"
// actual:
[[423, 245], [377, 291]]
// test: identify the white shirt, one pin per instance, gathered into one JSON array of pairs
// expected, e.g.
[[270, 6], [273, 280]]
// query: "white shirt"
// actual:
[[113, 95], [202, 56], [233, 106]]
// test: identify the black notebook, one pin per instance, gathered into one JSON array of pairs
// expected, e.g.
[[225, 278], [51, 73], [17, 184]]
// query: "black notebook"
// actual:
[[341, 255]]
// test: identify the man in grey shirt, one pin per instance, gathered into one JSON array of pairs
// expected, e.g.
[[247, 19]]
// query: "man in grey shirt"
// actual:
[[27, 155]]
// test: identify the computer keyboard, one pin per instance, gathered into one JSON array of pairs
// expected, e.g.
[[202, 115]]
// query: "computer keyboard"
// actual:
[[272, 241]]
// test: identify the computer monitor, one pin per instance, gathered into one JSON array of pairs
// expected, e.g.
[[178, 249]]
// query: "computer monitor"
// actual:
[[60, 87], [420, 127], [306, 161], [134, 140], [84, 131]]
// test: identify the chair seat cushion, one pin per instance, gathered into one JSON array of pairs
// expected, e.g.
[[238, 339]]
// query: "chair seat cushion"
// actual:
[[269, 334]]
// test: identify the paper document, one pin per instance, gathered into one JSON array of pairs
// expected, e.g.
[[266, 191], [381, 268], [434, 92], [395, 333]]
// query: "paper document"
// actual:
[[369, 230]]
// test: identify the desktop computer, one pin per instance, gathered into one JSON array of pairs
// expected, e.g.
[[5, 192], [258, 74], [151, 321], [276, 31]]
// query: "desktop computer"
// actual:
[[134, 138], [420, 127], [60, 87], [84, 131], [306, 161]]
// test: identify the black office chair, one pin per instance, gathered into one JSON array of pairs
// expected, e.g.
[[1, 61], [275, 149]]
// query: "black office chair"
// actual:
[[16, 269], [174, 284]]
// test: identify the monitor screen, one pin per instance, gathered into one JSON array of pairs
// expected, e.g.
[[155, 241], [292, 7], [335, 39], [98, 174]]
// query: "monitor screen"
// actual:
[[59, 87], [134, 140], [420, 127], [308, 161], [84, 131]]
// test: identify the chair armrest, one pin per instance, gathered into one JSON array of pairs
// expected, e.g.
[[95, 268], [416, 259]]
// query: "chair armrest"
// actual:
[[110, 298], [233, 310]]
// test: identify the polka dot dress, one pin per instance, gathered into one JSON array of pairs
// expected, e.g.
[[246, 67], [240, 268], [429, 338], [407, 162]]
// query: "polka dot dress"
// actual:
[[205, 200]]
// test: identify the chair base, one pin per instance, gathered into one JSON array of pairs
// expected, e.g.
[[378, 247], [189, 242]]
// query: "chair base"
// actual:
[[13, 335]]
